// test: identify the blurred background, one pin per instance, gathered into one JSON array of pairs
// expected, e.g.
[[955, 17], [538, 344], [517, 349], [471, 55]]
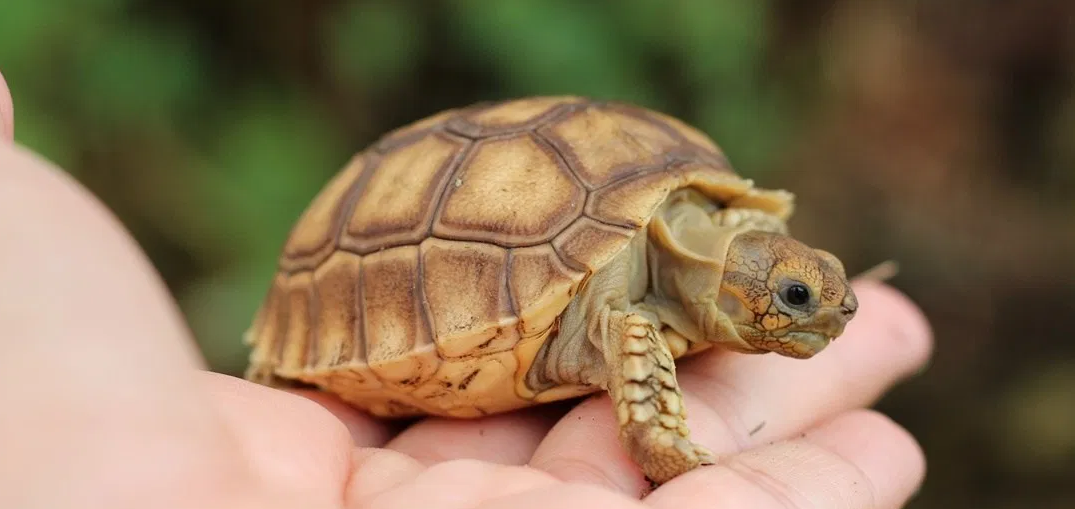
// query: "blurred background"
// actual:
[[939, 134]]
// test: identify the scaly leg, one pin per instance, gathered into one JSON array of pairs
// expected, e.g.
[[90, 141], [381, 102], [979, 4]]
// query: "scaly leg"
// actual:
[[648, 400]]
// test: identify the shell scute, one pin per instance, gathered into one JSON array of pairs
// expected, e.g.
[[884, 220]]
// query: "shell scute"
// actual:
[[344, 381], [337, 338], [397, 203], [587, 245], [266, 334], [493, 119], [472, 386], [295, 342], [314, 235], [629, 202], [395, 328], [416, 130], [466, 295], [510, 191], [690, 134], [603, 146], [539, 282]]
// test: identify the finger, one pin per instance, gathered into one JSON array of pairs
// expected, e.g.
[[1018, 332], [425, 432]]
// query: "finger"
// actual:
[[94, 350], [375, 471], [365, 430], [297, 444], [7, 112], [736, 401], [508, 439], [859, 459], [386, 478], [564, 495]]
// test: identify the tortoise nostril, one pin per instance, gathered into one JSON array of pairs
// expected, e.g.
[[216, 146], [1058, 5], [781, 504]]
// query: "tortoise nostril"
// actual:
[[849, 305]]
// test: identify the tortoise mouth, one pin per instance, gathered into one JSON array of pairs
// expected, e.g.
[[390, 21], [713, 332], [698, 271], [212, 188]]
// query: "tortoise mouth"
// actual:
[[804, 344], [796, 344]]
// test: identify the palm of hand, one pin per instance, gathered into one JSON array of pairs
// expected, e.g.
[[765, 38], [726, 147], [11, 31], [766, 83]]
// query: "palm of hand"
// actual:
[[127, 417], [300, 449]]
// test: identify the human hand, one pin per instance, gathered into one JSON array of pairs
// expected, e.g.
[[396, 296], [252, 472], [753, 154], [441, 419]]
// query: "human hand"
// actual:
[[107, 404]]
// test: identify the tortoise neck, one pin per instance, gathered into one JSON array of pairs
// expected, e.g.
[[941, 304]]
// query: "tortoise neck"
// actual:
[[688, 248]]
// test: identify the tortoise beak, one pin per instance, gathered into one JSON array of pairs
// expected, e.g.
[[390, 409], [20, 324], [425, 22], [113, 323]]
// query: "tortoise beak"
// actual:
[[849, 306]]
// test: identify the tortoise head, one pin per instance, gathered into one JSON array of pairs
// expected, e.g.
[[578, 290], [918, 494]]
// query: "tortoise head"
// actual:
[[783, 296]]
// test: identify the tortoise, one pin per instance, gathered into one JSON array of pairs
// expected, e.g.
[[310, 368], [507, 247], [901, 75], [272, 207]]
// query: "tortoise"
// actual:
[[512, 253]]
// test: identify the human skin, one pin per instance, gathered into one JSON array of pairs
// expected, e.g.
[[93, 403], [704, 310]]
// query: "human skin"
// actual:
[[107, 403]]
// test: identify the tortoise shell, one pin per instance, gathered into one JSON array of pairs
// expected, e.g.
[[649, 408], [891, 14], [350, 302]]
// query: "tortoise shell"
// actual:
[[425, 276]]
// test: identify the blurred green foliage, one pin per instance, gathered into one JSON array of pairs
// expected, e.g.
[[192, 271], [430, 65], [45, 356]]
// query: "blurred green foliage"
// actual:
[[937, 133]]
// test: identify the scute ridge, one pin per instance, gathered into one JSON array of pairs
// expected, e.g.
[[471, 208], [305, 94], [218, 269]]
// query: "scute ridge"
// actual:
[[462, 125], [552, 141], [313, 308]]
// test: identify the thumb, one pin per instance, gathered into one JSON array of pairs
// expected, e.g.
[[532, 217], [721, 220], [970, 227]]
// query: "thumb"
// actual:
[[7, 112]]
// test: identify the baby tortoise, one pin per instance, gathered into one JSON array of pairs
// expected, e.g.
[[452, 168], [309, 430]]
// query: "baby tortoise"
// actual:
[[508, 254]]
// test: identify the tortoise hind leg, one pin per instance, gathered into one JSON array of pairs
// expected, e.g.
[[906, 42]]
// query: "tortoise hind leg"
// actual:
[[648, 400]]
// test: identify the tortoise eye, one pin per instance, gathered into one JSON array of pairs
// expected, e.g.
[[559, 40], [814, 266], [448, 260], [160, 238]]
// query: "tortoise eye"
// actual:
[[796, 295]]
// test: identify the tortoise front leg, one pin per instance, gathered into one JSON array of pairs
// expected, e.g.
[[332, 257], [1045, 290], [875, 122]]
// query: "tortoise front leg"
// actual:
[[648, 400]]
